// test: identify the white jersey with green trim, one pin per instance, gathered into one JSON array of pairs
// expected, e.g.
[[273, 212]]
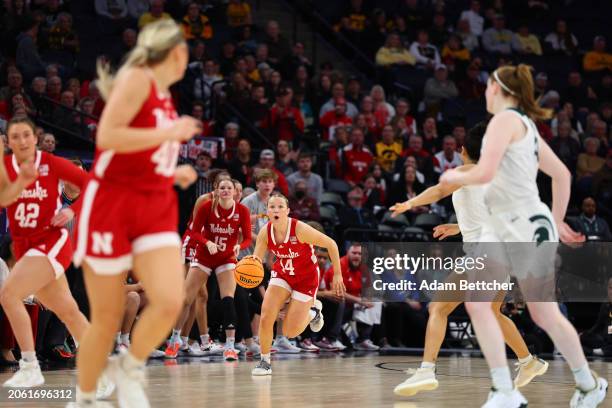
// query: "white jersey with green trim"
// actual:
[[515, 180]]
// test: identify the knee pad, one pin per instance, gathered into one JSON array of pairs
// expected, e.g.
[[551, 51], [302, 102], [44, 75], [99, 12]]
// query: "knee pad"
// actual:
[[229, 313]]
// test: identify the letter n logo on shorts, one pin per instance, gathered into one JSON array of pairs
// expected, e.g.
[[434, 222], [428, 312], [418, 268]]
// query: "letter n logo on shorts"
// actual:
[[102, 243]]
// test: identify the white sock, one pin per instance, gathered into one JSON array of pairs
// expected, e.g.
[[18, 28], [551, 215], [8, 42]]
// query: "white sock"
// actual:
[[176, 334], [87, 397], [502, 380], [526, 359], [425, 364], [28, 356], [185, 339], [125, 338], [118, 338], [266, 358], [584, 378], [205, 339], [229, 343], [130, 362]]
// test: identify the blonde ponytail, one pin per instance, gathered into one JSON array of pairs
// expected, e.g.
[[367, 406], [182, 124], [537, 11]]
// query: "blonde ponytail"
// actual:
[[517, 82], [155, 41]]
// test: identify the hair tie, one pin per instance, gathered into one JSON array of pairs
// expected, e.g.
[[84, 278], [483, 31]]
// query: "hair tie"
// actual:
[[504, 86]]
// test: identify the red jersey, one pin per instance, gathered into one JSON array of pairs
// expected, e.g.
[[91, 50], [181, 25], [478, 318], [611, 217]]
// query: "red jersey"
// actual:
[[350, 276], [332, 119], [356, 162], [222, 226], [31, 214], [151, 169], [292, 256]]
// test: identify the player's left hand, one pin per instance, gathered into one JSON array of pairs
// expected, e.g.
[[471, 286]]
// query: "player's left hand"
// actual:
[[184, 176], [451, 176], [236, 250], [62, 218], [567, 235], [338, 285]]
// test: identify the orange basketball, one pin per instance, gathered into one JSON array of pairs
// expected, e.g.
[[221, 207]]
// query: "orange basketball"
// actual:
[[249, 273]]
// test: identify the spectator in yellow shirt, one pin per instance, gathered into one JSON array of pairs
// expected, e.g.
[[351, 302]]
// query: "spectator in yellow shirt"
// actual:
[[195, 25], [598, 59], [238, 13], [155, 13], [525, 43], [394, 53], [455, 55], [388, 150]]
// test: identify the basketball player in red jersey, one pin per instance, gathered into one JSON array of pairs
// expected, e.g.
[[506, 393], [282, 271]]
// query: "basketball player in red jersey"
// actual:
[[129, 213], [198, 307], [42, 246], [295, 276], [217, 225]]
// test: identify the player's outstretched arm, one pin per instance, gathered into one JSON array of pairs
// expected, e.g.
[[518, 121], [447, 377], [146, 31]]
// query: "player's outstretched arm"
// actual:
[[305, 233], [430, 195]]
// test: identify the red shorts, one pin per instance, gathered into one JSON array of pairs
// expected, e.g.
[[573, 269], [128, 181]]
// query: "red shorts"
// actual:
[[219, 262], [54, 244], [116, 223], [303, 286], [188, 250]]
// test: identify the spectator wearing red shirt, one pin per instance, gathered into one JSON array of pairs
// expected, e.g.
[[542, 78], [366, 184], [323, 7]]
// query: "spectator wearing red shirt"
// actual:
[[355, 158], [284, 121], [334, 118], [266, 161], [447, 158], [352, 273]]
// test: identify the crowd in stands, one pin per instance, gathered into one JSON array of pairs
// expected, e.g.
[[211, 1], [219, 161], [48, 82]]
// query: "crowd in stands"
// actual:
[[341, 145]]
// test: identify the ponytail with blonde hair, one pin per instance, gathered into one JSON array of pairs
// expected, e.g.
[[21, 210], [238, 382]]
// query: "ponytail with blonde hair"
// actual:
[[517, 82], [155, 41]]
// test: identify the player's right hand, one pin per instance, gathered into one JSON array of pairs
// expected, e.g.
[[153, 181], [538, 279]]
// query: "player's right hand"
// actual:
[[212, 247], [400, 208], [184, 129], [27, 172], [254, 257], [567, 235], [443, 231]]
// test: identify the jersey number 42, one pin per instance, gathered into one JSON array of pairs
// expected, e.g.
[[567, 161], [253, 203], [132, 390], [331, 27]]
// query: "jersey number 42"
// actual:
[[27, 215]]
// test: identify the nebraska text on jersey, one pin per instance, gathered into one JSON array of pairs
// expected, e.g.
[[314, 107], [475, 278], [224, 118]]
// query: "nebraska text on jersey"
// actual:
[[36, 192]]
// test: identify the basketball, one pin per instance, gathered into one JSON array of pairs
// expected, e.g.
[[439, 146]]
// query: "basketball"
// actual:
[[249, 273]]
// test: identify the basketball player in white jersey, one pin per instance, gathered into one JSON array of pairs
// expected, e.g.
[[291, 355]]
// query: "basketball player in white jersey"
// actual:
[[511, 155], [471, 211]]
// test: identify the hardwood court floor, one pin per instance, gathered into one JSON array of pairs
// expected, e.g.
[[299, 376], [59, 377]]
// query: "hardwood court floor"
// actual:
[[332, 381]]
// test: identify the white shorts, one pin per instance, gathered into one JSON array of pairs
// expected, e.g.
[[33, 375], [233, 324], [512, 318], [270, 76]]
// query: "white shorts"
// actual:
[[529, 236], [299, 296]]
